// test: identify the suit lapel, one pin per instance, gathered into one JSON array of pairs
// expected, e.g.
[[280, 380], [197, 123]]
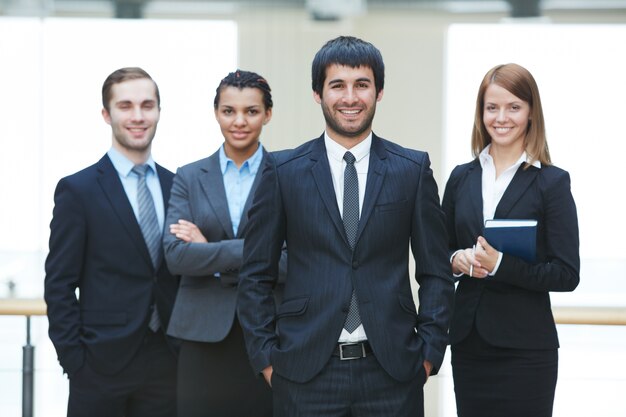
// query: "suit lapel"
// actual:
[[257, 178], [212, 182], [324, 181], [475, 187], [165, 178], [375, 176], [518, 186], [109, 181]]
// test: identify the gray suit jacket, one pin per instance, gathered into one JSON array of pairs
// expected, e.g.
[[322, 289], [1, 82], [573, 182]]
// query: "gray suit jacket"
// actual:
[[205, 306]]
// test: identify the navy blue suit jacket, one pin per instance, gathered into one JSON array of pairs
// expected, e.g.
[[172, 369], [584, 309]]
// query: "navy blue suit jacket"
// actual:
[[296, 203], [512, 308], [96, 246]]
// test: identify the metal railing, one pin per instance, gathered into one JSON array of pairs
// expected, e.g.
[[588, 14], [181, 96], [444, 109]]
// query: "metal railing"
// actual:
[[37, 307], [27, 308]]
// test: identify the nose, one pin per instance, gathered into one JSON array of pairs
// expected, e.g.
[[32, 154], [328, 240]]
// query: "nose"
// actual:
[[137, 113], [349, 96], [501, 116], [240, 119]]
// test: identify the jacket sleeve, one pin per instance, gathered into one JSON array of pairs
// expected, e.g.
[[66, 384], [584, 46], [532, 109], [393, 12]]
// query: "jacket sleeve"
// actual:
[[263, 247], [429, 244], [64, 264], [195, 259]]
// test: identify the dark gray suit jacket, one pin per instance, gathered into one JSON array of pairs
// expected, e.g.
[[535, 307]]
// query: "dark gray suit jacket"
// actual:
[[206, 303]]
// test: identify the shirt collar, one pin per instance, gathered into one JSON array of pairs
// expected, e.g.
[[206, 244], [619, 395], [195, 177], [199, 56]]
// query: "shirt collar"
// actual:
[[336, 151], [254, 162], [485, 158], [123, 165]]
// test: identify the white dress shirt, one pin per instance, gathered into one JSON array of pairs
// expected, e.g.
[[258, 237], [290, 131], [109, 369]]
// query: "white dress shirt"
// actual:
[[493, 188], [337, 164], [129, 180]]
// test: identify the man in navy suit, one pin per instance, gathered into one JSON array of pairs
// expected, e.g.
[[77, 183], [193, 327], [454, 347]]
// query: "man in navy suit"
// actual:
[[105, 241], [347, 340]]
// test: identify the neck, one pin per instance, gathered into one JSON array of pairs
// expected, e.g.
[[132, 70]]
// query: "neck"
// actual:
[[239, 156], [136, 156], [504, 157], [347, 142]]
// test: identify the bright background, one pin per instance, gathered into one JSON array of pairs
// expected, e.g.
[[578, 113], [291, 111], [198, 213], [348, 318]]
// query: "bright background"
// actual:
[[50, 126]]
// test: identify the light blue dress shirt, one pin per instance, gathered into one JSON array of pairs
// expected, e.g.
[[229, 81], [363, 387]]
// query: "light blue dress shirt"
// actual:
[[129, 179], [238, 182]]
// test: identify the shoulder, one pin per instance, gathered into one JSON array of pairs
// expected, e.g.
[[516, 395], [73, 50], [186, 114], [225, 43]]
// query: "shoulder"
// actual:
[[551, 176], [463, 169], [552, 171], [86, 176], [199, 165], [393, 150], [290, 156], [459, 174]]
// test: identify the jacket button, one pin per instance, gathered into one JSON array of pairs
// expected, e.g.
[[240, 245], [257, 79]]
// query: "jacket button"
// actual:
[[355, 264]]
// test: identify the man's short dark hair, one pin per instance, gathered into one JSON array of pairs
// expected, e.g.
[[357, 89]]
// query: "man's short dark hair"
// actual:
[[121, 75], [350, 52]]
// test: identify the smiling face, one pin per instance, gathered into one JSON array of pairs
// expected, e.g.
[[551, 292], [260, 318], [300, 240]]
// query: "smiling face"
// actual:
[[241, 115], [348, 102], [506, 118], [134, 114]]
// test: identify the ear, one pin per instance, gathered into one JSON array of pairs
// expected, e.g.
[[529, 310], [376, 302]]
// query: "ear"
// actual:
[[380, 95], [317, 97], [106, 116], [268, 116]]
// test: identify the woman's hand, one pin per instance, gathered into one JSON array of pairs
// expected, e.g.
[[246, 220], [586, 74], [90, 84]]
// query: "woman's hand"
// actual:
[[486, 255], [187, 232], [466, 262]]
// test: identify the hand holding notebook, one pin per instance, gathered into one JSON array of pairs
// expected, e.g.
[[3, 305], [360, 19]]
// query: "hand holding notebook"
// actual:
[[513, 237]]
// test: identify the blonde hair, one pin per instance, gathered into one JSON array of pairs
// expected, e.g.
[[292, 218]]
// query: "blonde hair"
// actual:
[[519, 82]]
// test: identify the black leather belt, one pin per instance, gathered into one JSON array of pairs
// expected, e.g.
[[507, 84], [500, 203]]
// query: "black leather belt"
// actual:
[[347, 351]]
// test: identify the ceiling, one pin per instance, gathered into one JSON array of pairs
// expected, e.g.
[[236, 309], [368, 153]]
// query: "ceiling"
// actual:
[[320, 9]]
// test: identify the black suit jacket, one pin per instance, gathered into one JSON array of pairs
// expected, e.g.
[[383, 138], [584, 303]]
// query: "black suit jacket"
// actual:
[[512, 308], [296, 202], [96, 246]]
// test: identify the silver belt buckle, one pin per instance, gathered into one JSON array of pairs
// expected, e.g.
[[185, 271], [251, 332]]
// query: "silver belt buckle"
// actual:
[[342, 345]]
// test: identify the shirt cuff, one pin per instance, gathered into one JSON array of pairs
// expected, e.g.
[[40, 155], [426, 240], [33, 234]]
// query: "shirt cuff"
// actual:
[[460, 274], [495, 269]]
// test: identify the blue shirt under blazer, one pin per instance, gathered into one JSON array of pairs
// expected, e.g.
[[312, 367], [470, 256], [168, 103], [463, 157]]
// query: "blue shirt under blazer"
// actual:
[[96, 244], [512, 308], [296, 202]]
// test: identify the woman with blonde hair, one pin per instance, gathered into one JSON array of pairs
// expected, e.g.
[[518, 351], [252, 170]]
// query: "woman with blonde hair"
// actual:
[[502, 334]]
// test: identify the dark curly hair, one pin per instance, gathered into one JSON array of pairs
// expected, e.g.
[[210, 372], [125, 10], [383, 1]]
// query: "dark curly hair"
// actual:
[[245, 79]]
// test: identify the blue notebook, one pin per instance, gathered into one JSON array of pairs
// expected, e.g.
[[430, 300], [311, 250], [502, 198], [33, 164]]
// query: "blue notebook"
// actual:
[[513, 237]]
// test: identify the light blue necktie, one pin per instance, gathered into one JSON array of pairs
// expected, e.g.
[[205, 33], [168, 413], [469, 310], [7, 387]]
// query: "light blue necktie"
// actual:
[[149, 225], [351, 225]]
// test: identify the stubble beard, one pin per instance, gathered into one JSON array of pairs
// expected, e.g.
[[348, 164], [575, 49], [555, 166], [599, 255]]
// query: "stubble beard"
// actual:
[[332, 123]]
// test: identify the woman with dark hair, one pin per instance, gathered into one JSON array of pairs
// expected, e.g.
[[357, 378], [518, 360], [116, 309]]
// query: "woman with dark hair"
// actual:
[[206, 217], [502, 334]]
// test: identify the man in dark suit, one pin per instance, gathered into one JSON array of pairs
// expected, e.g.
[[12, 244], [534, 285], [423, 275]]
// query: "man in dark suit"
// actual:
[[105, 241], [347, 339]]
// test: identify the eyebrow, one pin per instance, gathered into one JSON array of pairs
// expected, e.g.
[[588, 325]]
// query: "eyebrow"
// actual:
[[120, 102], [358, 80]]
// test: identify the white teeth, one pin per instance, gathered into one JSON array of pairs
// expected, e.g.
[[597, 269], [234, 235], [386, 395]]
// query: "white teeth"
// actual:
[[502, 129], [350, 111]]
